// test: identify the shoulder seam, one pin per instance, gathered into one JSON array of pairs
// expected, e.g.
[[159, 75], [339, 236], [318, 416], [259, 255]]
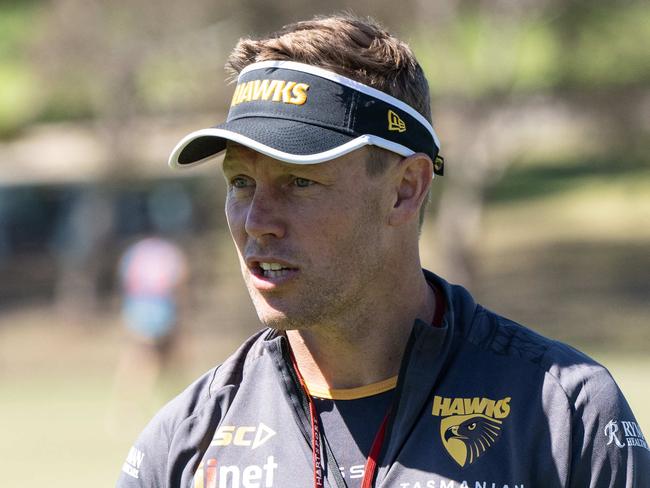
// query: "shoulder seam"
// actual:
[[572, 417]]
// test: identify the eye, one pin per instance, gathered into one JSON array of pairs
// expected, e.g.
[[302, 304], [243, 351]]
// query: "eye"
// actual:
[[240, 182], [471, 426], [302, 182]]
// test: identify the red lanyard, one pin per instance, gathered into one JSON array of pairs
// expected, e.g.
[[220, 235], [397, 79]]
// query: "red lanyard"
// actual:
[[371, 463]]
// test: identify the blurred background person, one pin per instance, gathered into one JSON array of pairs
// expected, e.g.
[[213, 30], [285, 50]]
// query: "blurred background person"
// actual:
[[153, 275]]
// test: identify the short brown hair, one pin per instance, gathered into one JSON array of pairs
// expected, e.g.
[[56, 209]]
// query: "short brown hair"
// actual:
[[360, 49]]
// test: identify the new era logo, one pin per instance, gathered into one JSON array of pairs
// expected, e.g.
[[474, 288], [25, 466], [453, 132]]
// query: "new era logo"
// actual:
[[395, 123]]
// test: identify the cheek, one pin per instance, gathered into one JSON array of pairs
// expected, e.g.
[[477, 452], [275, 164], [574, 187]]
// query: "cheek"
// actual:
[[348, 235], [236, 218]]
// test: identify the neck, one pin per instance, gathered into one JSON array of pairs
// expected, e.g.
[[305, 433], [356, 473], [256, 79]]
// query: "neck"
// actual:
[[367, 345]]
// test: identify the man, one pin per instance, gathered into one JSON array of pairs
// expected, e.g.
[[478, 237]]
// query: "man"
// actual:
[[370, 371], [153, 274]]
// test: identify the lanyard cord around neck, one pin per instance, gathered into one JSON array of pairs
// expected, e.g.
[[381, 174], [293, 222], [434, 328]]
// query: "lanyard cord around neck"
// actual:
[[375, 450], [371, 463]]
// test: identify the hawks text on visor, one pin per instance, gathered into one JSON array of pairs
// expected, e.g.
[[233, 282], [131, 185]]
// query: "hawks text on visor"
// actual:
[[302, 114], [270, 90]]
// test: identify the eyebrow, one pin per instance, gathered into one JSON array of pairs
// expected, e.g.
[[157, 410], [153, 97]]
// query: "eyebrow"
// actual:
[[231, 164], [232, 158], [227, 164]]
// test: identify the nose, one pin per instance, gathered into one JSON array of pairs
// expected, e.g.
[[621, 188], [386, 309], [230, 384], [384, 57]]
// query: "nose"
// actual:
[[264, 217]]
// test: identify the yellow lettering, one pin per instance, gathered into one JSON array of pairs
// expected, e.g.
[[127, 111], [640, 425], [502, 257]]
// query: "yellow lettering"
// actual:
[[277, 94], [259, 89], [240, 93], [502, 408], [489, 408], [475, 405], [247, 93], [456, 407], [223, 436], [299, 94], [255, 90], [471, 406], [286, 91], [440, 406], [276, 90], [269, 89]]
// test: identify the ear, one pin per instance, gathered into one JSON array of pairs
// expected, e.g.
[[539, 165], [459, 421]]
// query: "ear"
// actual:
[[413, 178]]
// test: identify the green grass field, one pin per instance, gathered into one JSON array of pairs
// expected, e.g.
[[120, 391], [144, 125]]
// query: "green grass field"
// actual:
[[57, 405]]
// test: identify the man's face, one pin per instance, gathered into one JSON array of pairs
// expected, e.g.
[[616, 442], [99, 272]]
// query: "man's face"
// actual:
[[310, 238]]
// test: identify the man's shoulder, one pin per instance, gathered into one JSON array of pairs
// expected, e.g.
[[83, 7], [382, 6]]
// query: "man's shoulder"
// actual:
[[184, 425], [520, 348], [571, 369], [212, 390], [549, 387]]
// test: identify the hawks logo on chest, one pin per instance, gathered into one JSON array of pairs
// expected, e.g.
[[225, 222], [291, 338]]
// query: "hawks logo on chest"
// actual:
[[469, 426]]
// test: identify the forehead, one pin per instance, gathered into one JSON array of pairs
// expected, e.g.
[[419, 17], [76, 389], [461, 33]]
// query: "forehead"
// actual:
[[239, 157]]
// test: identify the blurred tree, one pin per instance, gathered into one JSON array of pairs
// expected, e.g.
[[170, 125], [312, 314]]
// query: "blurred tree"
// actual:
[[99, 54], [19, 100], [97, 58], [496, 66], [511, 79]]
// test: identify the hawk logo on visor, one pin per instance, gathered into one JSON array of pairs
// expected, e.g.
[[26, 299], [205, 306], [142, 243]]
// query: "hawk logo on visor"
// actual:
[[395, 123]]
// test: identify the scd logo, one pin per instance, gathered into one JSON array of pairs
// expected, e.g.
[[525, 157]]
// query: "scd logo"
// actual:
[[244, 436]]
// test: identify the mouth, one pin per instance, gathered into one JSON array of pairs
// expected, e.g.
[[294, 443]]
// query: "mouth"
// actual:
[[270, 271]]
